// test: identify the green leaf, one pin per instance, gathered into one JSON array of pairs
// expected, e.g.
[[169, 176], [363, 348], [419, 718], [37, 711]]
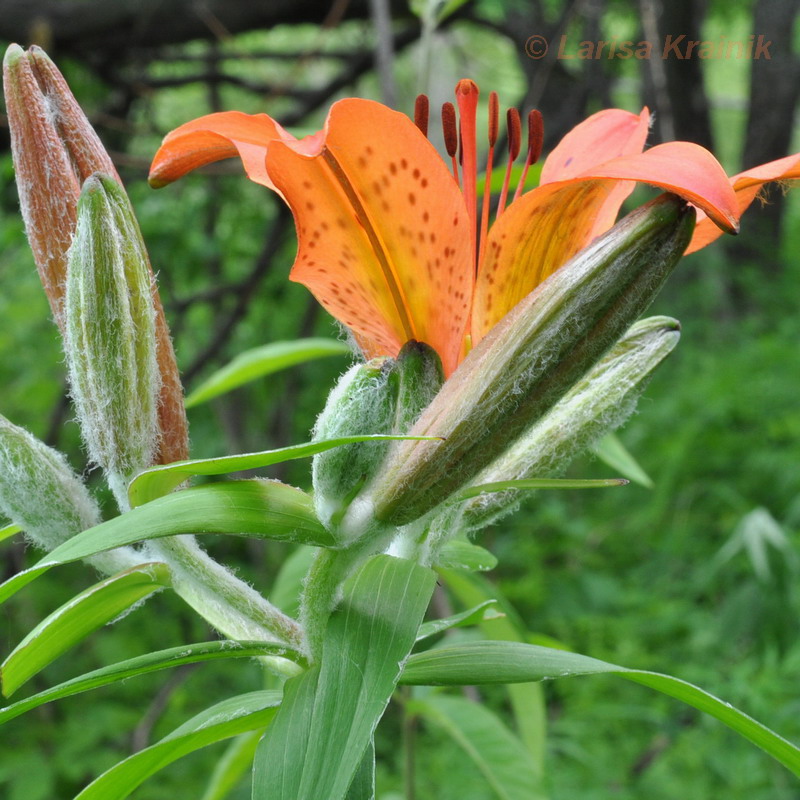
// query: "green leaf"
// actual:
[[231, 717], [495, 750], [262, 509], [79, 617], [535, 484], [159, 481], [261, 361], [477, 663], [460, 554], [527, 699], [151, 662], [319, 737], [611, 450], [472, 616], [8, 531], [363, 785], [235, 762]]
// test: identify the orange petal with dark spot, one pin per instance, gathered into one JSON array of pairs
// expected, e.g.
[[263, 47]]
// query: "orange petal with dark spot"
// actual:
[[383, 230], [746, 185]]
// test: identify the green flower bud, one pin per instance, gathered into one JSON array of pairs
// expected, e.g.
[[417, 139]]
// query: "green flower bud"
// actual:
[[420, 377], [598, 404], [382, 396], [110, 334], [533, 357], [363, 402], [39, 491]]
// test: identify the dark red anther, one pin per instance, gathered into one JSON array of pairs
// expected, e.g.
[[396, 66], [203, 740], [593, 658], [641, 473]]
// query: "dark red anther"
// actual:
[[494, 118], [514, 125], [535, 135], [422, 108], [450, 129]]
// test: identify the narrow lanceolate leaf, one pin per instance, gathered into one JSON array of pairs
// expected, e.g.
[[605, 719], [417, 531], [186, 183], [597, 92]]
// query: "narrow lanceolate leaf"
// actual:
[[527, 699], [472, 616], [77, 618], [261, 509], [611, 450], [262, 361], [236, 761], [231, 717], [9, 530], [151, 662], [161, 480], [318, 740], [460, 554], [533, 484], [500, 756], [477, 663]]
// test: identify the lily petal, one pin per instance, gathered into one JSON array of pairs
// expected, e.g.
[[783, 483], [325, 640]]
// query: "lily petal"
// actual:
[[383, 230], [746, 185], [547, 226], [211, 138], [605, 135], [602, 137]]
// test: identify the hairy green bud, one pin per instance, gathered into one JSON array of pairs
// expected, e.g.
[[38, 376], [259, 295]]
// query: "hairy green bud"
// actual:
[[110, 338], [533, 357], [363, 402], [598, 404], [39, 491]]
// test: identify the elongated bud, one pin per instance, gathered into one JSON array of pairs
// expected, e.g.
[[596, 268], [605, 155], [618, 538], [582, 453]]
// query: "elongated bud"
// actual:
[[533, 357], [55, 150], [598, 404], [39, 491], [110, 334]]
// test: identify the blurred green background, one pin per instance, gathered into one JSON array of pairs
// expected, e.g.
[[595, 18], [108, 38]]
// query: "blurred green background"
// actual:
[[697, 577]]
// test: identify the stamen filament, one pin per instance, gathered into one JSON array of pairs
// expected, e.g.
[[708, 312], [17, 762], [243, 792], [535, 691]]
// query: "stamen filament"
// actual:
[[494, 114], [535, 141], [514, 127]]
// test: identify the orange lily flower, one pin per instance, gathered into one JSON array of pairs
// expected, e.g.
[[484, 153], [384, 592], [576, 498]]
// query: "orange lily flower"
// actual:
[[393, 243]]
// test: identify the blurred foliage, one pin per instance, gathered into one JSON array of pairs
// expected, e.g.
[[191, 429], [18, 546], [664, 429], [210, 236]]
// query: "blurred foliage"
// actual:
[[631, 576]]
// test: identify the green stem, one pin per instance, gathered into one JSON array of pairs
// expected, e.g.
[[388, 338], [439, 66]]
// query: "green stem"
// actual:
[[229, 604], [326, 575]]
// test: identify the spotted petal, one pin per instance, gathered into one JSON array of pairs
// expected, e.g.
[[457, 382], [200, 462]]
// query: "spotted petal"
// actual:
[[547, 226], [746, 185], [382, 229]]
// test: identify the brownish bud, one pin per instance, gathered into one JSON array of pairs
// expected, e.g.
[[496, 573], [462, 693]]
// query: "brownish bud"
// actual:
[[55, 150]]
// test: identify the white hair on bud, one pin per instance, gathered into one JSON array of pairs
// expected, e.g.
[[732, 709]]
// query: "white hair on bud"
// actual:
[[110, 341], [598, 404]]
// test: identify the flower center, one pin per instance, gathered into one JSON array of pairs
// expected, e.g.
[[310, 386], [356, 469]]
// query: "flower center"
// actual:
[[460, 141]]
